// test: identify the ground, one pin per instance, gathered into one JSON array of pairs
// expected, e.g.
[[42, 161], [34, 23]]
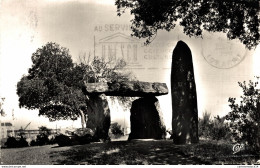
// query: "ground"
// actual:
[[125, 152]]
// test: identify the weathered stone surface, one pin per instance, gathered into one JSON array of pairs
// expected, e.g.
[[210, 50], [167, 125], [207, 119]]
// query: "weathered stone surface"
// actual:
[[146, 119], [147, 108], [127, 88], [257, 143], [98, 116], [184, 98]]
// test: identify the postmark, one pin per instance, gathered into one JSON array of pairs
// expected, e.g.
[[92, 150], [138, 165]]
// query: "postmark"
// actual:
[[222, 53]]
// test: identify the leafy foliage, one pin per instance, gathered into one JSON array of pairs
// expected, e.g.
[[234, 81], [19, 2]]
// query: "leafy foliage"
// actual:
[[13, 143], [44, 131], [116, 129], [214, 129], [220, 129], [53, 84], [84, 139], [101, 71], [204, 125], [245, 116], [22, 142], [63, 140], [42, 138], [33, 143], [238, 18]]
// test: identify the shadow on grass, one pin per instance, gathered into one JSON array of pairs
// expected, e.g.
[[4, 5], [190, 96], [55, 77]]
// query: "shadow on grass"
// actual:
[[56, 146], [126, 152], [217, 152]]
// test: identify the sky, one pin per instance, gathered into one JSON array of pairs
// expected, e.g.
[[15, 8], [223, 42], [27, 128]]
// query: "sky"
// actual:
[[93, 27]]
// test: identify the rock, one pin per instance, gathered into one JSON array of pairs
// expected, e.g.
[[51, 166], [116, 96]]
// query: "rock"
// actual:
[[146, 119], [184, 98], [127, 88], [98, 116]]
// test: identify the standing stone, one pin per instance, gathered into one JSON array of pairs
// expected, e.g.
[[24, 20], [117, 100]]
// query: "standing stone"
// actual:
[[184, 97], [257, 145], [146, 119], [98, 116]]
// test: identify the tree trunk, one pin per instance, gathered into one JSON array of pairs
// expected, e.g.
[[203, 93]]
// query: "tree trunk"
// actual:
[[83, 119]]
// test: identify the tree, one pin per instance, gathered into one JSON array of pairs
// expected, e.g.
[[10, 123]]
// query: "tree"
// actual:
[[245, 116], [239, 19], [53, 84], [44, 131]]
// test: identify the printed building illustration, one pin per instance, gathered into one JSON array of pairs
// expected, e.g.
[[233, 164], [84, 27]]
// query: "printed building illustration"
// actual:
[[118, 46]]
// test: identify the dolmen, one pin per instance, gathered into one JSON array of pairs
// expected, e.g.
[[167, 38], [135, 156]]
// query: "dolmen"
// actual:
[[146, 116]]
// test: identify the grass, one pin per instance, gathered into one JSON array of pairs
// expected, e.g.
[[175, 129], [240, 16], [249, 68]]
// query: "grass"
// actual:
[[136, 152], [219, 152], [124, 152]]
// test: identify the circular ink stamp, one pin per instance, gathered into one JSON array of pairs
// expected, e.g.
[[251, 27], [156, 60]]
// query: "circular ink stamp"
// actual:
[[222, 53]]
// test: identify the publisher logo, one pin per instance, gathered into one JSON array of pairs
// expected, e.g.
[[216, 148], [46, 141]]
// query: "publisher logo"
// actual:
[[238, 147]]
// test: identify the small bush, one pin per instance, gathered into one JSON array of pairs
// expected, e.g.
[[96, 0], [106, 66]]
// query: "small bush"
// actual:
[[42, 140], [63, 140], [11, 143], [33, 143], [116, 129], [52, 140], [42, 137], [86, 139], [215, 129], [220, 129], [205, 125], [22, 142], [81, 140], [245, 115]]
